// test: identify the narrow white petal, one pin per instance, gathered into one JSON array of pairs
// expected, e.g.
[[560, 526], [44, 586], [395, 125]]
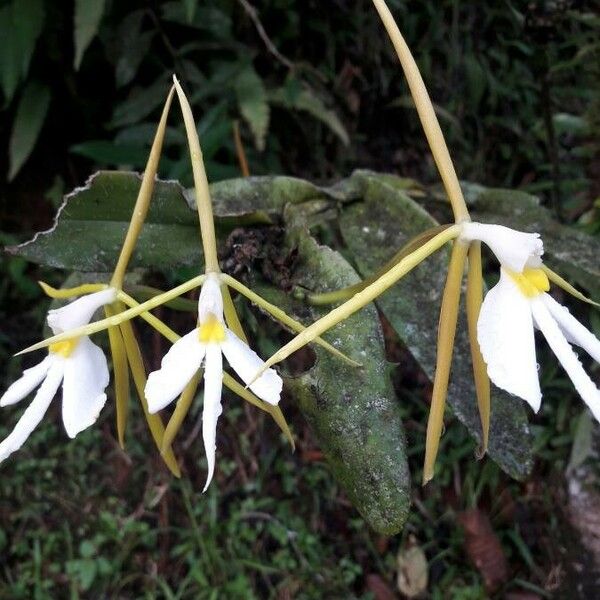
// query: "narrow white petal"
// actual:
[[177, 368], [213, 383], [246, 363], [30, 379], [80, 311], [86, 378], [211, 299], [34, 412], [567, 357], [514, 249], [506, 338], [572, 329]]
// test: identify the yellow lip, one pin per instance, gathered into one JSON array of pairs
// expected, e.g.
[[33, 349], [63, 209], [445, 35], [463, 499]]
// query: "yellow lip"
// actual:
[[64, 349], [212, 330], [531, 282]]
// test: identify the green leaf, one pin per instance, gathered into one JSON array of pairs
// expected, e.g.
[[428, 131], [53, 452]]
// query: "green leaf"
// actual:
[[252, 102], [306, 100], [190, 9], [374, 230], [353, 412], [88, 14], [476, 80], [21, 23], [31, 113], [91, 225]]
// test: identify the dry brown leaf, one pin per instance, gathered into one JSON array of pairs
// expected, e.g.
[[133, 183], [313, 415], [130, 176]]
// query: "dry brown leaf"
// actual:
[[483, 548]]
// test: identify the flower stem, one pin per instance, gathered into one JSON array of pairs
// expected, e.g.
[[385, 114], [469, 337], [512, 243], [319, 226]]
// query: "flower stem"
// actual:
[[203, 201], [426, 112], [143, 200]]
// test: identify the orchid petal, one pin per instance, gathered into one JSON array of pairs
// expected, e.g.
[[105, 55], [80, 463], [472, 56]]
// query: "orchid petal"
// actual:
[[572, 329], [80, 311], [514, 249], [245, 362], [177, 368], [30, 379], [85, 379], [566, 356], [213, 384], [211, 299], [506, 338], [35, 411]]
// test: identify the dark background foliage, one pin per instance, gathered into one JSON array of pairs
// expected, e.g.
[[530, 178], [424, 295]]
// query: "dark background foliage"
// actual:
[[317, 91]]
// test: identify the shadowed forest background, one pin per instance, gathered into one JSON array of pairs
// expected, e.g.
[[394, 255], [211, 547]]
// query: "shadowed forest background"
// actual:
[[316, 92]]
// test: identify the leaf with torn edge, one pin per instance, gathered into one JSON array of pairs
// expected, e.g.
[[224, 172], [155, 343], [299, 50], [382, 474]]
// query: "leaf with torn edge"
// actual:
[[90, 226]]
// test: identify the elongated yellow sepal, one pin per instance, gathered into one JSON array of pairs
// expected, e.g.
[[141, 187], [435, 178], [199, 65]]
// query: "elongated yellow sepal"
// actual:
[[121, 375], [426, 112], [362, 298], [116, 320], [80, 290], [231, 316], [343, 294], [282, 317], [153, 321], [474, 301], [145, 292], [181, 410], [155, 424], [565, 285], [445, 347], [203, 201], [142, 203]]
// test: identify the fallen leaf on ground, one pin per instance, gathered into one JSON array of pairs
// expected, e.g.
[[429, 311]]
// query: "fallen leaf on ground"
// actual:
[[483, 548]]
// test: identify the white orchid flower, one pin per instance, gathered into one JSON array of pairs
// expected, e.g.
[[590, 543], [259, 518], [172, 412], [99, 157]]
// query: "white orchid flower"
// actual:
[[79, 364], [206, 344], [517, 304]]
